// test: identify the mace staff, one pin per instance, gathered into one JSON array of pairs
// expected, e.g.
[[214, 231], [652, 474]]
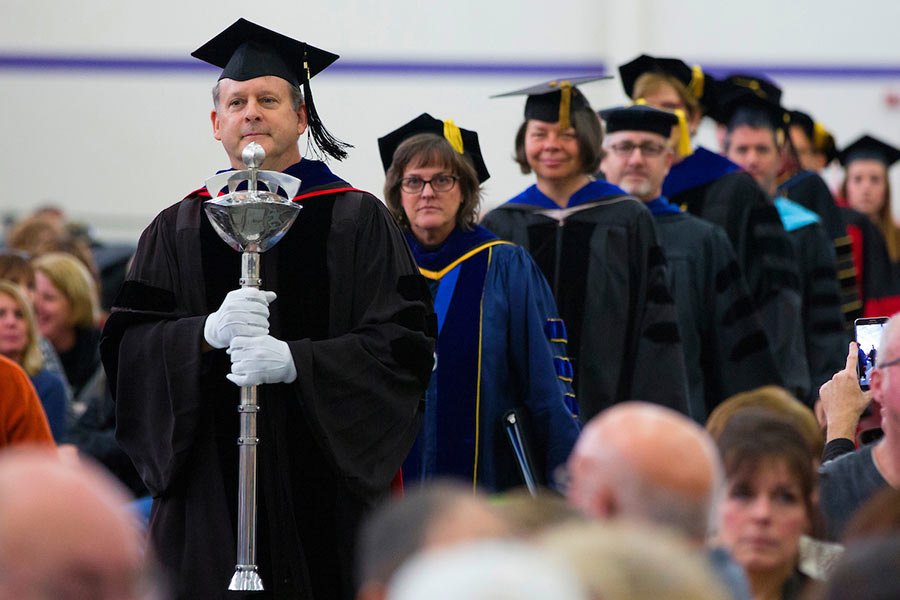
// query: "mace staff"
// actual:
[[251, 221]]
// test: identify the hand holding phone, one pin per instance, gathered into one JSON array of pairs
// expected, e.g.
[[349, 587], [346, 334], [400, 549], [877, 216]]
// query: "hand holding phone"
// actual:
[[868, 335], [841, 400]]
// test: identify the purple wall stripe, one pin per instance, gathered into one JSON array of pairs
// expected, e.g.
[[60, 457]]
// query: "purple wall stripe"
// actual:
[[100, 63]]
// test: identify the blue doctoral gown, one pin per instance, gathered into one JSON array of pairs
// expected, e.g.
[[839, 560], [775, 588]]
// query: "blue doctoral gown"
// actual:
[[501, 346]]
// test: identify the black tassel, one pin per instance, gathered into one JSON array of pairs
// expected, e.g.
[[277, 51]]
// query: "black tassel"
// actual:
[[321, 137]]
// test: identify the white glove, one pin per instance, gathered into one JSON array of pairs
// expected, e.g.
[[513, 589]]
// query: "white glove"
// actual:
[[262, 359], [243, 312]]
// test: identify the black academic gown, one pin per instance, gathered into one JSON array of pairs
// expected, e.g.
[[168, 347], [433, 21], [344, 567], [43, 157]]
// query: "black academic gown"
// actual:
[[609, 278], [357, 317], [715, 189], [879, 278], [823, 322], [808, 189], [726, 350]]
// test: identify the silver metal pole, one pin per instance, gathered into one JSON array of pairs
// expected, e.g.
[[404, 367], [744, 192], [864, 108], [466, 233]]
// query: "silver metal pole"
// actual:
[[246, 576]]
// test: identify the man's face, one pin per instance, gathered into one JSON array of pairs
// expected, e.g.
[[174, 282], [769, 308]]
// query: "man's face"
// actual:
[[259, 110], [803, 147], [755, 151], [637, 162], [885, 383]]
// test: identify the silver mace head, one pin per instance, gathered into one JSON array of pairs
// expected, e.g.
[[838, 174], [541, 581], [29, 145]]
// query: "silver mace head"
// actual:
[[253, 155], [252, 220]]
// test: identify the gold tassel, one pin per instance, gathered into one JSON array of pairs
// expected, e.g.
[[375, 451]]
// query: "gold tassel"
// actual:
[[453, 135], [820, 135], [684, 134], [695, 87], [565, 103]]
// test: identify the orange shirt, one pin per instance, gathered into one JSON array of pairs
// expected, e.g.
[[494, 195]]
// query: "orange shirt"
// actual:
[[22, 418]]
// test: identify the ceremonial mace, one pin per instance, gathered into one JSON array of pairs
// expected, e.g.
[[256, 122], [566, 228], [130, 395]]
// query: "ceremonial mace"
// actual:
[[251, 221]]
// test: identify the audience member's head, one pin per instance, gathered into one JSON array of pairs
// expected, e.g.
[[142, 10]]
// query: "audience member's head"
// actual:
[[18, 329], [778, 400], [880, 515], [769, 498], [528, 515], [486, 570], [65, 298], [16, 268], [642, 461], [869, 570], [886, 391], [626, 561], [429, 516], [65, 532], [36, 235]]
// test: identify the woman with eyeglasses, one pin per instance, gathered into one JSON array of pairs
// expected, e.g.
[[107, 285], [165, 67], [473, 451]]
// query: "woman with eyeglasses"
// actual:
[[598, 249], [501, 345]]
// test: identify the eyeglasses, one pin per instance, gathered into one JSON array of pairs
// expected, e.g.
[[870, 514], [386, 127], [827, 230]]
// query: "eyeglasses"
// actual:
[[649, 149], [889, 363], [439, 183]]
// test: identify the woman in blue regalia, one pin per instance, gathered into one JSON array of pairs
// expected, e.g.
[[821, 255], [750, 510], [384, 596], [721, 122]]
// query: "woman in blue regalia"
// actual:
[[501, 345]]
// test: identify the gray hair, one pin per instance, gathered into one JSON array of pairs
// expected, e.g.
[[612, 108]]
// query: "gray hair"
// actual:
[[296, 96]]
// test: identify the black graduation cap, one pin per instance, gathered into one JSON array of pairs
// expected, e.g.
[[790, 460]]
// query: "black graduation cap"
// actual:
[[700, 85], [425, 123], [868, 147], [742, 105], [804, 121], [639, 118], [762, 87], [246, 50], [554, 100]]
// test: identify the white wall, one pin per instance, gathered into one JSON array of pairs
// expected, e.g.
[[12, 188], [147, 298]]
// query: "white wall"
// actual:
[[114, 147]]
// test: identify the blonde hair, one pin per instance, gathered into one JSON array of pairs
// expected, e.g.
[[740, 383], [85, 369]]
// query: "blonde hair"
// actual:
[[74, 281], [32, 360], [650, 82]]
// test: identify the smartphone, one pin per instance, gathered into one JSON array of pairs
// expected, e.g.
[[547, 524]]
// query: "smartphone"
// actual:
[[867, 334]]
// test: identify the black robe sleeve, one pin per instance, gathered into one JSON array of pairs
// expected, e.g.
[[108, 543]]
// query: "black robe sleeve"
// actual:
[[825, 336], [765, 253], [811, 191], [360, 388]]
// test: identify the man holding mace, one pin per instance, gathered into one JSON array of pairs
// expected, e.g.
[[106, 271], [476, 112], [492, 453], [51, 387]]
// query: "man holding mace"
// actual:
[[340, 343]]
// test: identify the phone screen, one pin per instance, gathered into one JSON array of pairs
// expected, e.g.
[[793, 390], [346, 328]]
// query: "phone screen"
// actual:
[[868, 333]]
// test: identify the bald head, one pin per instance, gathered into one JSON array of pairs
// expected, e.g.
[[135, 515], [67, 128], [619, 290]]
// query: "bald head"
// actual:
[[643, 461], [64, 529]]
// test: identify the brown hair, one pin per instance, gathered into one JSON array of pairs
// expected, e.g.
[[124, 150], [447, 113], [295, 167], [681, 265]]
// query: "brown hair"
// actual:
[[32, 360], [778, 400], [756, 435], [429, 149], [889, 231], [588, 133], [14, 266], [650, 82]]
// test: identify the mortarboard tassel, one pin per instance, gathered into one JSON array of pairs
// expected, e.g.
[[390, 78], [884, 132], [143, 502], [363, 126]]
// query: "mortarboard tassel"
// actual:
[[684, 134], [820, 135], [321, 137], [453, 135], [695, 87], [565, 103]]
